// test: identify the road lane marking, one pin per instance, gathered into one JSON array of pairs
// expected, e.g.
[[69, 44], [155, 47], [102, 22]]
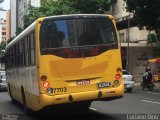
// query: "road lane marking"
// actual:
[[92, 108], [153, 93], [151, 102]]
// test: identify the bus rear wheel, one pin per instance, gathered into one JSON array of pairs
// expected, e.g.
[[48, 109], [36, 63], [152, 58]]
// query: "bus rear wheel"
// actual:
[[26, 109], [10, 93]]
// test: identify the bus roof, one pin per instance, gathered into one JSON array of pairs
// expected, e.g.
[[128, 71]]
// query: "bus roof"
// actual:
[[22, 34], [77, 16]]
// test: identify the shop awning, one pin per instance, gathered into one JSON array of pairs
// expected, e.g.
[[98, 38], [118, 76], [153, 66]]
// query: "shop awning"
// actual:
[[155, 60]]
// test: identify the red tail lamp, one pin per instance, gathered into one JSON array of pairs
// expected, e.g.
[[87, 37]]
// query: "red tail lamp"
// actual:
[[118, 76], [45, 84]]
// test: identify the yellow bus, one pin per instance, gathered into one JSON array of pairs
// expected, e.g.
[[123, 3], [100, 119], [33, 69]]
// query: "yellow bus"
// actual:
[[65, 59]]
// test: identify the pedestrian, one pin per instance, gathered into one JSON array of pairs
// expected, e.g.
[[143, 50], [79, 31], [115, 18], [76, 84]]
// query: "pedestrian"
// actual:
[[147, 77]]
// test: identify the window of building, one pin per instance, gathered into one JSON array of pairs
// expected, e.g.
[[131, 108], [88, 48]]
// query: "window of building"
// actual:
[[121, 37], [3, 28], [3, 33]]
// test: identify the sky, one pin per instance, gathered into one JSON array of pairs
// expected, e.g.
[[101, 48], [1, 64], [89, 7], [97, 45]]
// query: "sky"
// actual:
[[5, 5]]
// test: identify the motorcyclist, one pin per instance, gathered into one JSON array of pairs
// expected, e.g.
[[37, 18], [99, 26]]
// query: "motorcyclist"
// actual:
[[147, 77]]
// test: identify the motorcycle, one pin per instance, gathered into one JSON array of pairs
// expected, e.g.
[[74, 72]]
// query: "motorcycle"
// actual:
[[149, 85]]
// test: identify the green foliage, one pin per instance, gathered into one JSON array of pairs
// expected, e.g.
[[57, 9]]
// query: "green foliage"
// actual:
[[10, 39], [158, 33], [157, 51], [152, 38], [146, 13], [60, 7], [19, 30], [34, 13], [2, 46]]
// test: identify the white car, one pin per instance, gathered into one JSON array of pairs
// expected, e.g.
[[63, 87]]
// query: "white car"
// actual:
[[128, 81], [3, 83]]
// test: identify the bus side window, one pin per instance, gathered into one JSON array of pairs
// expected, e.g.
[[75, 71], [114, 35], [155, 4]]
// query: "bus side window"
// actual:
[[21, 53], [33, 54], [24, 57], [26, 50], [29, 49]]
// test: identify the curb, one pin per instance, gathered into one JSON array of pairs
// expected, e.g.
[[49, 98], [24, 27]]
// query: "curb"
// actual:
[[157, 85]]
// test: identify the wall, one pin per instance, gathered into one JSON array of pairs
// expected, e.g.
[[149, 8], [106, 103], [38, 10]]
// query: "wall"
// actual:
[[13, 17], [138, 59], [135, 34], [8, 25]]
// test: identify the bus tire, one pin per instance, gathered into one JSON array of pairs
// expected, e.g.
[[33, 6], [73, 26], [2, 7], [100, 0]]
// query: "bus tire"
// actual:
[[10, 94], [26, 109]]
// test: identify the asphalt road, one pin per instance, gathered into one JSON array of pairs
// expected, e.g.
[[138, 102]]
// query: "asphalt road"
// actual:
[[136, 105]]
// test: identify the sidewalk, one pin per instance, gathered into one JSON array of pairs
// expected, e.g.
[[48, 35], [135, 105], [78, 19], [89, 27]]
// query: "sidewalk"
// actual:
[[157, 85]]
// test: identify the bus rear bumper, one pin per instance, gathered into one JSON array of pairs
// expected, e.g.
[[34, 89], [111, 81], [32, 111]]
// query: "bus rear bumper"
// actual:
[[101, 94]]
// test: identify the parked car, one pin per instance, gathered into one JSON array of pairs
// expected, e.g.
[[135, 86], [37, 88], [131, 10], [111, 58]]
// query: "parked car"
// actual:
[[3, 83], [128, 80]]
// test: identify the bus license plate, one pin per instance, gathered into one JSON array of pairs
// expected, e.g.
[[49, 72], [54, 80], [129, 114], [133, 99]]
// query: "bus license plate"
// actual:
[[83, 82], [104, 85]]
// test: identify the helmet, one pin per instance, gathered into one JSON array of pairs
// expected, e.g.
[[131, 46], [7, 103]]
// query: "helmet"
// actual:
[[147, 69]]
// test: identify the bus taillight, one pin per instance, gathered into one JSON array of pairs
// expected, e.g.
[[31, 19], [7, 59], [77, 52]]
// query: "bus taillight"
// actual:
[[45, 84], [119, 70], [118, 76]]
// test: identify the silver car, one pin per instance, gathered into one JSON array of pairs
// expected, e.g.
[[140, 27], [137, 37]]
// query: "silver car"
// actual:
[[128, 81], [3, 83]]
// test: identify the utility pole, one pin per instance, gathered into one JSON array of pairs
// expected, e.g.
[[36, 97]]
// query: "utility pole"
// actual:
[[128, 40]]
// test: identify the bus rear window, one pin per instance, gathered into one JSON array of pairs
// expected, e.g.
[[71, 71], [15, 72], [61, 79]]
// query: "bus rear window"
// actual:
[[71, 33]]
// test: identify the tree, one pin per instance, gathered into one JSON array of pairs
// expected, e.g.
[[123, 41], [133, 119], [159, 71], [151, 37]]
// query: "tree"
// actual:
[[60, 7], [151, 38], [19, 30], [10, 39], [2, 46], [146, 13], [34, 13]]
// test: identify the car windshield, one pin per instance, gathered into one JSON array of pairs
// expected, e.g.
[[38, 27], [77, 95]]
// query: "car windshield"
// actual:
[[125, 73]]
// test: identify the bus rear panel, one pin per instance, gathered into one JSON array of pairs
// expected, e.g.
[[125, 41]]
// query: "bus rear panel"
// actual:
[[79, 59]]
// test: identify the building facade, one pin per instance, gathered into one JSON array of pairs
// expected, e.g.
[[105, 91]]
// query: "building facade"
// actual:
[[23, 6], [8, 25], [2, 36], [14, 16], [135, 49], [19, 8], [2, 30]]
